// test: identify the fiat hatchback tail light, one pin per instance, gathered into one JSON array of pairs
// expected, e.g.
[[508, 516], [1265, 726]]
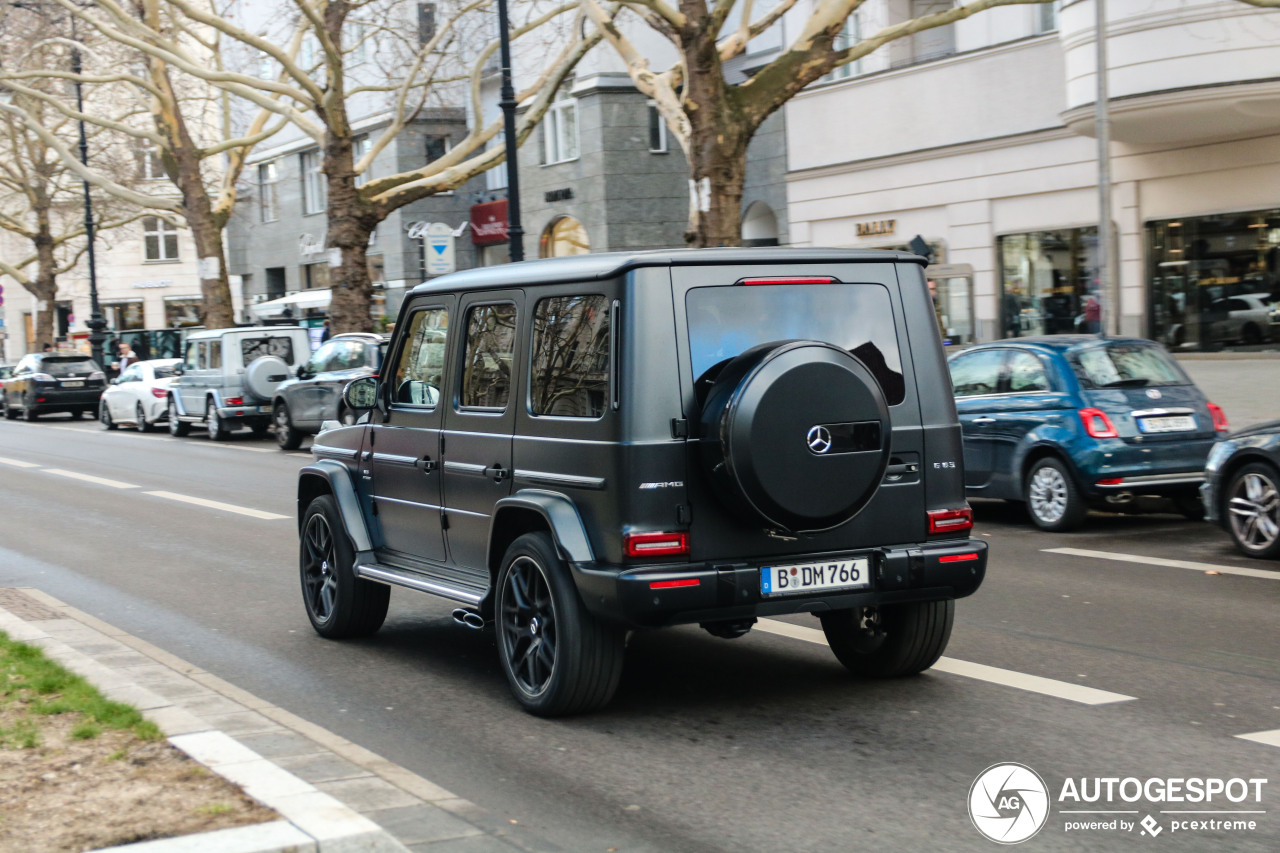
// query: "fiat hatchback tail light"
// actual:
[[1097, 424], [1219, 418]]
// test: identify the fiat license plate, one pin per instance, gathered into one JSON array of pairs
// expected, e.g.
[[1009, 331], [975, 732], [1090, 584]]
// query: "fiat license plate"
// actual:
[[1178, 423], [810, 577]]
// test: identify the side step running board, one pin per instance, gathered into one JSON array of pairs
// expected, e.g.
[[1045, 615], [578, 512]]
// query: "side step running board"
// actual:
[[412, 580]]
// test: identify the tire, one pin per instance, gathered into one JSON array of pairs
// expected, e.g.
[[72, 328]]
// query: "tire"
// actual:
[[140, 418], [29, 414], [339, 604], [9, 413], [538, 609], [1250, 335], [1053, 501], [104, 416], [1252, 510], [81, 414], [286, 436], [177, 428], [908, 639], [216, 426]]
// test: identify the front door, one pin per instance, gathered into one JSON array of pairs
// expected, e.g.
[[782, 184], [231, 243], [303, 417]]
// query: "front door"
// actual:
[[405, 450], [480, 422], [975, 378]]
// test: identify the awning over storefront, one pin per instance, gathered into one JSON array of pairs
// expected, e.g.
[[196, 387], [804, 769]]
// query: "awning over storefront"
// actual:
[[300, 301]]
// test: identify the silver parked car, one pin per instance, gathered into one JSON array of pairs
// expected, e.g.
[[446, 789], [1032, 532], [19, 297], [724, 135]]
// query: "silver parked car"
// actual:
[[304, 403]]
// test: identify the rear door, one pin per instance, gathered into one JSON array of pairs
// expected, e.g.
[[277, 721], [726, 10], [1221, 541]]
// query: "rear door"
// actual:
[[480, 422]]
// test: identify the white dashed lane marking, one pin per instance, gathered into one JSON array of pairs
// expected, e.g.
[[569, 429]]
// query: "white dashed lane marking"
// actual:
[[1265, 574], [1271, 738], [977, 671], [17, 463], [208, 504], [89, 478]]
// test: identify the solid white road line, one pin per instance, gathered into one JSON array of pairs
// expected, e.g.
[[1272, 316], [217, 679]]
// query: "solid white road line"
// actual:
[[1271, 738], [1160, 561], [17, 463], [239, 510], [980, 672], [89, 478]]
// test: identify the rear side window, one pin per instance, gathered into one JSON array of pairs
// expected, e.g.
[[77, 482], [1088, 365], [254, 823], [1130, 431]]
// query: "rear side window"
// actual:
[[1125, 366], [569, 372], [726, 321], [420, 371], [1026, 373], [486, 366], [251, 348], [977, 373]]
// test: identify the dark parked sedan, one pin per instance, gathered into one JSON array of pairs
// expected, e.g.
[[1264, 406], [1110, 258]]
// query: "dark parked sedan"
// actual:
[[1241, 489], [1066, 421], [53, 382], [302, 404]]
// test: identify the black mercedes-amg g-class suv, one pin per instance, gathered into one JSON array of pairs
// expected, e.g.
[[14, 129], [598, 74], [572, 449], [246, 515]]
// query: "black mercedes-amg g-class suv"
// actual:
[[574, 447]]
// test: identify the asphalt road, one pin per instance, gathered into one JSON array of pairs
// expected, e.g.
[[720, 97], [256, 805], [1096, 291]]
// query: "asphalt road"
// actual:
[[756, 744]]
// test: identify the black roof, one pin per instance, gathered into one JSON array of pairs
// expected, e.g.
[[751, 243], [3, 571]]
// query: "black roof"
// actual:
[[610, 264]]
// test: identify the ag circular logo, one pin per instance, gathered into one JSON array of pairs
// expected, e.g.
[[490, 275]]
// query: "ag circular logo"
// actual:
[[1008, 803], [818, 439]]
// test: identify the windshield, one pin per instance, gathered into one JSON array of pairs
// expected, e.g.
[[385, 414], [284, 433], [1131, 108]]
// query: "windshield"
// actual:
[[726, 321], [1126, 366], [67, 366]]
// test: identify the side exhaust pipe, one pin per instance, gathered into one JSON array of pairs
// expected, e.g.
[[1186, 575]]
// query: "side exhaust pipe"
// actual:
[[468, 618], [1120, 498]]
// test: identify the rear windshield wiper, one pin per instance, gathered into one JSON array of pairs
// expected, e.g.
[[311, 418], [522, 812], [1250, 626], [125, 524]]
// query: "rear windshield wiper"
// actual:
[[1136, 382]]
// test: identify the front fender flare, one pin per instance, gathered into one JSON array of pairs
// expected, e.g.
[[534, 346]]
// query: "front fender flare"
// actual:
[[562, 518], [338, 479]]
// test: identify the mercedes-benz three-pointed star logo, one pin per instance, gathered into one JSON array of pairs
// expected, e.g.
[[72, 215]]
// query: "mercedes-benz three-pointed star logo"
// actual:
[[818, 439]]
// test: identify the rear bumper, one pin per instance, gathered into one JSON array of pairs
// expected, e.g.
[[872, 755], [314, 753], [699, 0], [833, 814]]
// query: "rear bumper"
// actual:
[[56, 401], [733, 590]]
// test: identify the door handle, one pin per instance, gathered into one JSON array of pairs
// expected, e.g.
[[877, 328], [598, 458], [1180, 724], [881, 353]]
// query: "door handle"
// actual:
[[984, 420], [497, 472], [426, 464]]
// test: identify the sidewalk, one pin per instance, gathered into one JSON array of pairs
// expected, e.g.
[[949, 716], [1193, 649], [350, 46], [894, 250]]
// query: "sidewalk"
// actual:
[[1247, 389], [334, 796]]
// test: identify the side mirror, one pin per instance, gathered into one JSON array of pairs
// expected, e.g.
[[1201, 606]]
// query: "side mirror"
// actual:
[[361, 393], [115, 381]]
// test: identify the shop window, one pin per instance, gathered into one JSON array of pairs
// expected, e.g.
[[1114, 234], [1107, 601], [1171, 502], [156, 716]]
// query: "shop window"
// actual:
[[182, 312], [1049, 283], [124, 316], [1214, 280], [564, 236]]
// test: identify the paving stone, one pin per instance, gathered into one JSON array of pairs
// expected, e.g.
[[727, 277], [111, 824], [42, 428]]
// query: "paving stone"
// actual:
[[208, 706], [473, 844], [174, 721], [422, 823], [264, 780], [242, 723], [320, 767], [276, 744], [367, 793]]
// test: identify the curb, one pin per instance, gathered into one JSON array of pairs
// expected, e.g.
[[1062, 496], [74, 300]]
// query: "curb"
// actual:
[[217, 724]]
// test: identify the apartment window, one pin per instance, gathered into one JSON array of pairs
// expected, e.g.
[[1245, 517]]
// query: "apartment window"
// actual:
[[314, 192], [560, 132], [275, 282], [436, 147], [361, 146], [150, 164], [268, 199], [657, 130], [496, 178], [160, 239], [1046, 17], [849, 35], [315, 276], [934, 43]]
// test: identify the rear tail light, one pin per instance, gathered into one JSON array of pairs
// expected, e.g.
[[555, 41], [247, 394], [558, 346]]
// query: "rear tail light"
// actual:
[[234, 401], [950, 520], [1219, 418], [1097, 424], [98, 375], [1111, 481], [957, 558], [675, 583], [789, 279], [159, 393], [656, 544]]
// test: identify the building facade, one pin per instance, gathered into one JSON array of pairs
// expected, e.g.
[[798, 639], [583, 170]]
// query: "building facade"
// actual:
[[979, 140]]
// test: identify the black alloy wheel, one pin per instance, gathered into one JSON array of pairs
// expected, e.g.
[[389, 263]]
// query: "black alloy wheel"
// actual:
[[177, 428], [1253, 510], [104, 415], [558, 658], [339, 605], [890, 640], [286, 436], [140, 419]]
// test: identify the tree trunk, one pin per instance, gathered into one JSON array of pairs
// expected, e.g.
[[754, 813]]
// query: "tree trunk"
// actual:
[[715, 195], [218, 312], [44, 287], [351, 223]]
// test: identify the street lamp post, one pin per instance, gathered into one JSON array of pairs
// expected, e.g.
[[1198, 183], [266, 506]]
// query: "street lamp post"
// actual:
[[507, 101], [97, 323], [1108, 282]]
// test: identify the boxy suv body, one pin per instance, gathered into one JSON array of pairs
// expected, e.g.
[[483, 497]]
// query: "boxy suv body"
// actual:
[[52, 382], [574, 447], [229, 377]]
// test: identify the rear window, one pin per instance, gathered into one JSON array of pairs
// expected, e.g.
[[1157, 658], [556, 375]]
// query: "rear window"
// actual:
[[67, 366], [1125, 366], [726, 321], [252, 348]]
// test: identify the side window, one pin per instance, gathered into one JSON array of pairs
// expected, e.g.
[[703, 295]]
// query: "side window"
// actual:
[[569, 374], [346, 355], [320, 358], [215, 355], [419, 373], [251, 348], [486, 367], [976, 374], [193, 354], [131, 374], [1026, 373]]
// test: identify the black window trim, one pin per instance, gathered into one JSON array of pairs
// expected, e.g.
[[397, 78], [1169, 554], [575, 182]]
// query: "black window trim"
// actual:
[[461, 367]]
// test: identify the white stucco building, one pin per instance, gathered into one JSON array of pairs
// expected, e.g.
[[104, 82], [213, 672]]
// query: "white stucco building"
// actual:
[[977, 138]]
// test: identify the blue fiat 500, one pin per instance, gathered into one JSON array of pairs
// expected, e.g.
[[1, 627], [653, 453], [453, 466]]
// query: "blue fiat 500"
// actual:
[[1069, 421]]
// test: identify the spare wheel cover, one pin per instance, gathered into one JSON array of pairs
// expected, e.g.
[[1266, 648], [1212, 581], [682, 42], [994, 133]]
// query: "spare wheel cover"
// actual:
[[805, 436], [264, 374]]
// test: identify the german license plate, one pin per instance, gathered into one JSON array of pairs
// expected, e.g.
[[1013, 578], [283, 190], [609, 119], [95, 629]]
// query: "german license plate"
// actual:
[[808, 577], [72, 384], [1178, 423]]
